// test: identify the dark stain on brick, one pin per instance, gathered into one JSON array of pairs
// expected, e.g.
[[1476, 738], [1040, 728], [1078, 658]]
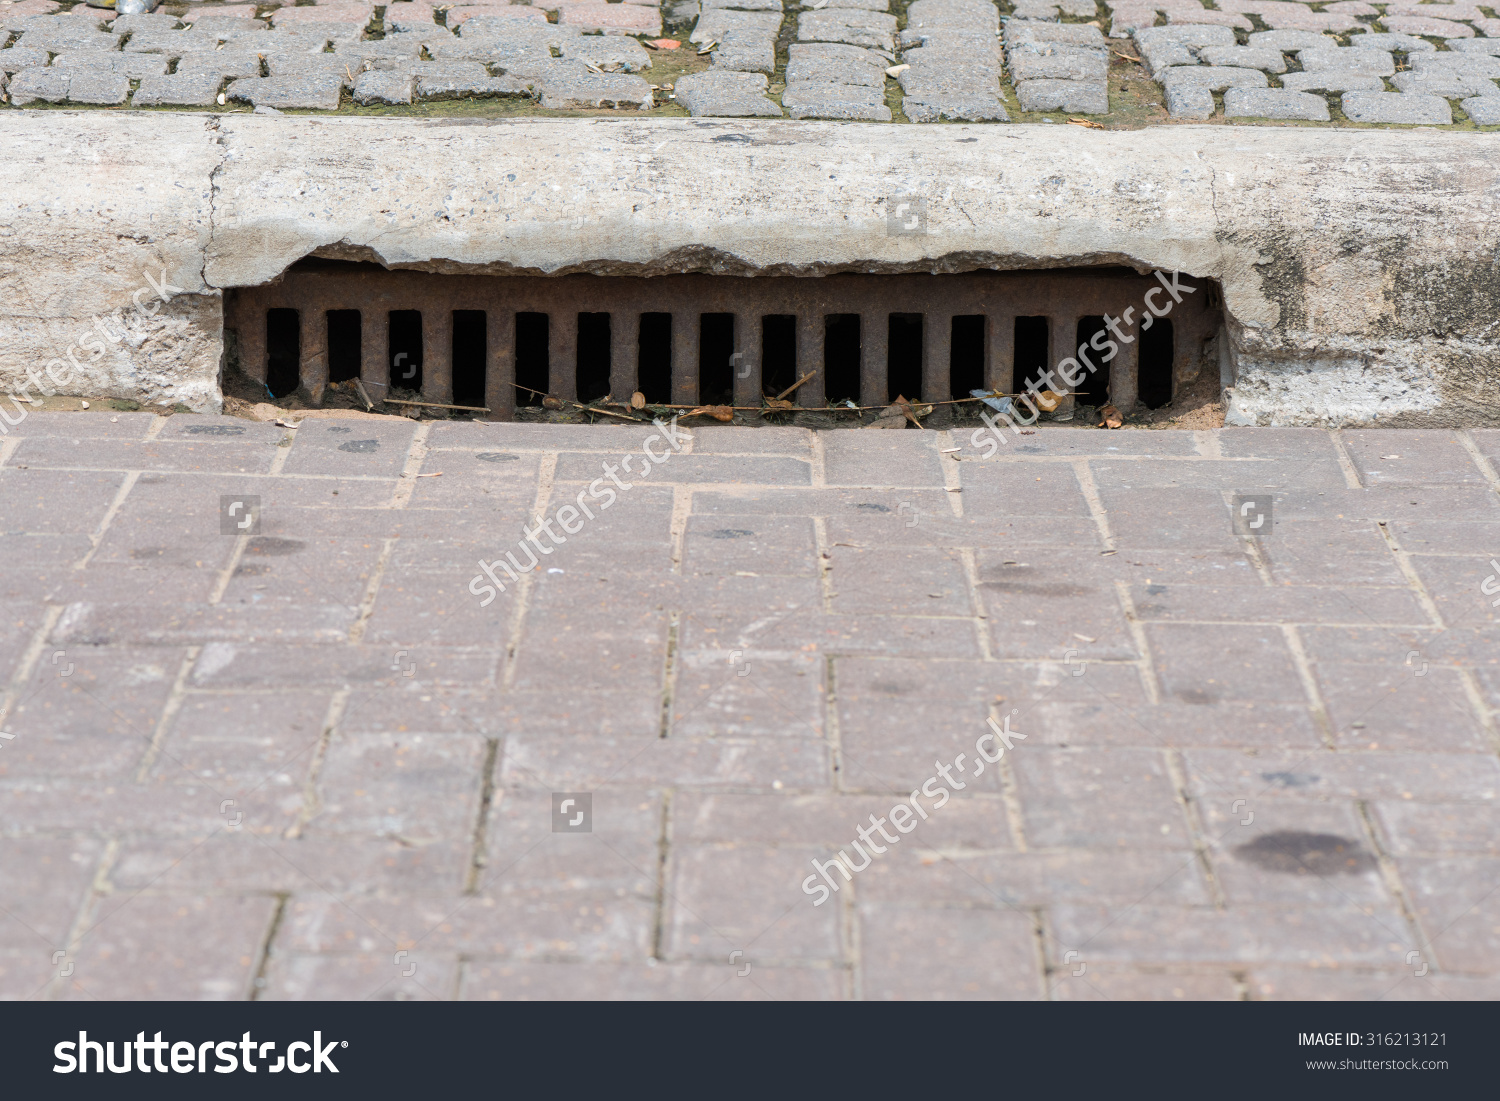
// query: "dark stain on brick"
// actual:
[[360, 447], [270, 546], [1295, 852]]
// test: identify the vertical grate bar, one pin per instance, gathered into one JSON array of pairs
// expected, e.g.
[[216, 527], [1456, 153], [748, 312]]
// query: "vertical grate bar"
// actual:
[[250, 321], [562, 353], [875, 355], [1061, 337], [747, 334], [937, 354], [437, 354], [374, 363], [811, 328], [624, 353], [500, 363], [312, 372], [685, 334], [1124, 373], [999, 349]]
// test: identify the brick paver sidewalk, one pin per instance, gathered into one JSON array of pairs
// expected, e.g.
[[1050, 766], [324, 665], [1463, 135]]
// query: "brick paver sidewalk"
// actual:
[[300, 758]]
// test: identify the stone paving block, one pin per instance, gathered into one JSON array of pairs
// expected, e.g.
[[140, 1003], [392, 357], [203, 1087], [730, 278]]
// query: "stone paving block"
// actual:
[[836, 70], [1274, 103], [1490, 46], [1373, 775], [729, 94], [1455, 584], [61, 39], [45, 85], [462, 79], [835, 101], [873, 30], [1171, 520], [590, 762], [723, 898], [15, 59], [311, 90], [432, 977], [1241, 723], [1292, 40], [1332, 80], [385, 86], [1215, 78], [745, 57], [594, 91], [1078, 96], [748, 694], [1350, 58], [766, 544], [1060, 63], [1477, 64], [1040, 610], [912, 581], [1452, 84], [1483, 111], [419, 788], [27, 499], [1161, 47], [1426, 27], [939, 81], [1189, 101], [1408, 828], [959, 955], [1407, 457], [1397, 107], [1071, 34], [171, 44], [1291, 854], [1204, 664], [611, 53], [1322, 936], [1394, 43], [134, 66], [713, 25], [1454, 904], [199, 948], [612, 19], [1099, 798], [527, 981], [44, 882], [1116, 984], [1245, 57], [960, 108], [1320, 984], [221, 63]]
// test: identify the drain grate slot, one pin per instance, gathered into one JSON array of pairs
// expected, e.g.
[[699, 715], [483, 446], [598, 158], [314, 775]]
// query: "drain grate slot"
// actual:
[[470, 349], [1156, 370]]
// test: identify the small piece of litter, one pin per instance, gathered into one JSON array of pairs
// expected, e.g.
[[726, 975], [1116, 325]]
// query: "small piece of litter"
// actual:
[[114, 420], [1105, 554], [554, 569], [1390, 456], [951, 450], [954, 489], [1084, 638], [744, 573], [84, 404], [664, 43], [434, 474], [289, 424]]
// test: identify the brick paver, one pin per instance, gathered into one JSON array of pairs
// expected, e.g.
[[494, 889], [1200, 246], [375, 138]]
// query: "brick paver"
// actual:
[[320, 757]]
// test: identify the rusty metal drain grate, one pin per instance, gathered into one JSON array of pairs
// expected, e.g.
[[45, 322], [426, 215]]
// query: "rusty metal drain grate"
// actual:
[[502, 341]]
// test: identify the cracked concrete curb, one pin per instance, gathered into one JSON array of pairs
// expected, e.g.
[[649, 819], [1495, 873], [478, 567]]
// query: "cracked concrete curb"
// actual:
[[1360, 269]]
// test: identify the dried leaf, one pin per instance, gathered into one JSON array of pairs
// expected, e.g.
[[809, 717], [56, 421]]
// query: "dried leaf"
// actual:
[[664, 43], [549, 402], [1048, 400], [779, 403], [637, 400], [718, 412], [1090, 123], [1109, 417]]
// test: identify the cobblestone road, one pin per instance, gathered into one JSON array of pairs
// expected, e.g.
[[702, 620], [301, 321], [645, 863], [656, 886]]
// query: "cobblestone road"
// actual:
[[301, 759]]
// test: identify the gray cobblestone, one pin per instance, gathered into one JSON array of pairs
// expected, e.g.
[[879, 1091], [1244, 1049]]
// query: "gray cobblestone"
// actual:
[[1245, 57], [179, 90], [134, 66], [319, 91], [1450, 83], [1483, 111], [1332, 80], [1274, 103], [385, 86], [726, 95], [590, 90], [1078, 96], [1397, 107], [835, 101]]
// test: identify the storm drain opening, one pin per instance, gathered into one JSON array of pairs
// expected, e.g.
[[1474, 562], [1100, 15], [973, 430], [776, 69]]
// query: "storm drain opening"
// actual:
[[470, 338], [283, 351], [531, 358], [593, 356], [716, 359], [404, 345], [344, 345], [495, 344]]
